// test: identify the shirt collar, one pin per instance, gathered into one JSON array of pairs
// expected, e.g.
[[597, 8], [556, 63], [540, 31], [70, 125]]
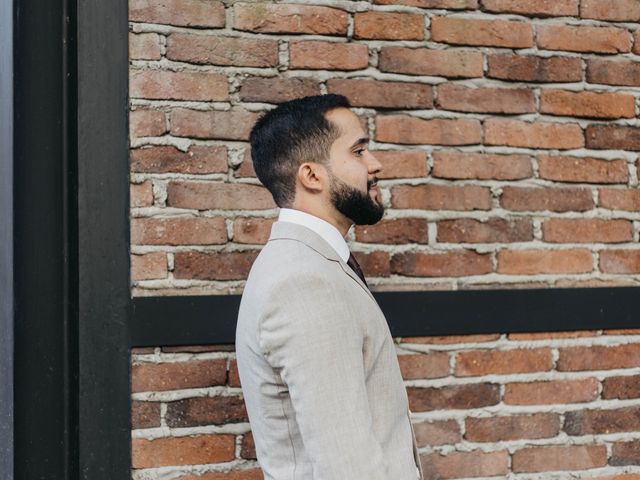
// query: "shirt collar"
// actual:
[[323, 228]]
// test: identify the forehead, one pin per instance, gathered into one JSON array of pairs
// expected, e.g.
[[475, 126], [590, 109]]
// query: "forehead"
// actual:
[[347, 122]]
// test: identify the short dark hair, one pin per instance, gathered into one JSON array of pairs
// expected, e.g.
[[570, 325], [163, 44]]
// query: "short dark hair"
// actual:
[[294, 132]]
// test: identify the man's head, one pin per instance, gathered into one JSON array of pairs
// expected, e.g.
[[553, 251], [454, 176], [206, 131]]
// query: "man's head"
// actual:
[[311, 153]]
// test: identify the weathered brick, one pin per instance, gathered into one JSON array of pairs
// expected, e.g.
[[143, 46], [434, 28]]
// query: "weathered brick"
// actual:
[[531, 262], [441, 197], [148, 266], [252, 230], [141, 194], [550, 458], [445, 4], [454, 397], [426, 61], [442, 432], [152, 377], [502, 362], [528, 68], [512, 427], [458, 263], [586, 230], [481, 166], [551, 392], [398, 231], [191, 450], [184, 13], [214, 265], [196, 411], [233, 379], [424, 365], [244, 474], [584, 39], [453, 339], [290, 18], [245, 169], [613, 10], [224, 196], [625, 453], [465, 464], [623, 387], [470, 31], [178, 231], [227, 125], [144, 46], [401, 163], [168, 159], [539, 8], [374, 264], [388, 26], [145, 414], [438, 131], [613, 72], [196, 348], [164, 84], [620, 261], [587, 104], [375, 93], [619, 199], [582, 169], [216, 50], [516, 133], [147, 123], [318, 55], [636, 42], [622, 476], [590, 422], [613, 137], [494, 230], [551, 335], [542, 199], [599, 357], [485, 100], [276, 89]]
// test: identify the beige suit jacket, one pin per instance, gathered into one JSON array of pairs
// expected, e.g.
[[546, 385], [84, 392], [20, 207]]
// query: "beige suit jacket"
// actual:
[[318, 368]]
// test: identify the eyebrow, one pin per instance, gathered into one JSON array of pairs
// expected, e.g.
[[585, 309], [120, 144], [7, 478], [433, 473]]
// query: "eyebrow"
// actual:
[[360, 141]]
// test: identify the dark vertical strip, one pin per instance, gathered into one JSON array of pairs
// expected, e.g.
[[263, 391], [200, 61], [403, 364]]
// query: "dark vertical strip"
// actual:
[[103, 245]]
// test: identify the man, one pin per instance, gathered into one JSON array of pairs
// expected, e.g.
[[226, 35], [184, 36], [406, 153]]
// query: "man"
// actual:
[[317, 363]]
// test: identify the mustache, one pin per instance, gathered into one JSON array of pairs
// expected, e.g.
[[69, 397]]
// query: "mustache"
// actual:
[[372, 182]]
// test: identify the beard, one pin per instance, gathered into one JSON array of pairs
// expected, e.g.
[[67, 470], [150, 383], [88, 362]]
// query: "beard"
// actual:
[[354, 204]]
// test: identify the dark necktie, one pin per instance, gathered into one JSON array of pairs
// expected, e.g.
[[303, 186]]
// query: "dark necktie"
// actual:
[[355, 266]]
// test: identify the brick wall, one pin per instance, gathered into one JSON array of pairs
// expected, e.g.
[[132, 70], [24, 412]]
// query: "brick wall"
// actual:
[[507, 130]]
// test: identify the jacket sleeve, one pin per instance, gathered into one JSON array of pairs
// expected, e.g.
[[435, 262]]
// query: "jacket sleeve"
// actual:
[[313, 336]]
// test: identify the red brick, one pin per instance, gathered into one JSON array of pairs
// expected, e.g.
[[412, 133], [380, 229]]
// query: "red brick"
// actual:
[[197, 411], [453, 339], [252, 230], [465, 464], [317, 55], [276, 89], [614, 10], [290, 18], [148, 266], [551, 335], [599, 357], [582, 169], [388, 26], [147, 123], [441, 197], [184, 13], [141, 194], [164, 84], [619, 199], [584, 39], [494, 230], [587, 104], [178, 231], [374, 264], [197, 348], [636, 42], [192, 450], [513, 427], [620, 261], [398, 231], [245, 474], [531, 262], [452, 263], [227, 125], [443, 432], [424, 365], [586, 230], [539, 8], [374, 93], [623, 476], [248, 449], [438, 131], [551, 392], [426, 61], [546, 199], [589, 422], [528, 68], [214, 265], [481, 166], [153, 377], [550, 458], [613, 72], [216, 50], [168, 159], [233, 379], [144, 46], [445, 4], [490, 100], [621, 331], [516, 133], [453, 397], [621, 387], [613, 137], [145, 414], [625, 453], [502, 362], [224, 196], [471, 31], [245, 169], [401, 164]]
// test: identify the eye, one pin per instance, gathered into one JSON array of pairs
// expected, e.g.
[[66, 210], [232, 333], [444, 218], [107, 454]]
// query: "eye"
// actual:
[[359, 151]]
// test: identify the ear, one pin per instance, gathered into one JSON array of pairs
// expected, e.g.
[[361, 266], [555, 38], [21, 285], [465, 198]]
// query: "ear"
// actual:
[[312, 176]]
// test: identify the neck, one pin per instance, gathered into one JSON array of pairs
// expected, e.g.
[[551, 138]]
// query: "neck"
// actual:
[[335, 218]]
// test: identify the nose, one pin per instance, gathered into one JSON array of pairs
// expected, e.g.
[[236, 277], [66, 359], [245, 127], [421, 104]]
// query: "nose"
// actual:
[[373, 164]]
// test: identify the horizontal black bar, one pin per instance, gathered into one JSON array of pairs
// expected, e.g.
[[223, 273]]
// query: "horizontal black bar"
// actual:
[[211, 319]]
